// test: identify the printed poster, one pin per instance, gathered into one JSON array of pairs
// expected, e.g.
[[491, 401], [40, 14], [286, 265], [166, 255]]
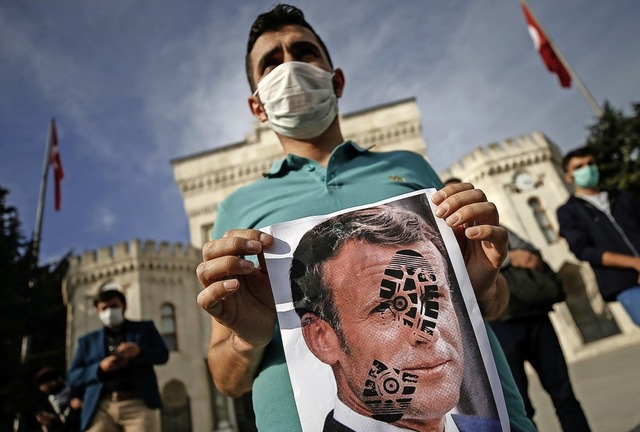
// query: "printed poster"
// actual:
[[380, 326]]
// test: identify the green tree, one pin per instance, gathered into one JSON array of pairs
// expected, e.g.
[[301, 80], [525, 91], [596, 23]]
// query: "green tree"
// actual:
[[615, 138], [32, 306]]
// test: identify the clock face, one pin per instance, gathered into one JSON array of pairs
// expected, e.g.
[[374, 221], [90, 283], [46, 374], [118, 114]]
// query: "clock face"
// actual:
[[523, 181]]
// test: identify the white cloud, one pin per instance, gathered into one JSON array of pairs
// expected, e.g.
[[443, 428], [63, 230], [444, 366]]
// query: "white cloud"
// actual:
[[104, 219], [134, 85]]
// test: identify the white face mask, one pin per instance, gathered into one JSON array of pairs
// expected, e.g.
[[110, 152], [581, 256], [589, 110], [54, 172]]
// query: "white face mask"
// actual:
[[299, 99], [111, 317]]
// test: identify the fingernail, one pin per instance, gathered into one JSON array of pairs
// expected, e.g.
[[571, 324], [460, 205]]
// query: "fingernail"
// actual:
[[252, 246], [229, 285], [473, 231], [436, 198], [264, 238], [246, 264], [441, 210], [451, 220]]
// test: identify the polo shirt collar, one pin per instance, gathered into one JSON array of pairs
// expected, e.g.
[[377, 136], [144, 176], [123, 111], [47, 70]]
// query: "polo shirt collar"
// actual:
[[293, 162]]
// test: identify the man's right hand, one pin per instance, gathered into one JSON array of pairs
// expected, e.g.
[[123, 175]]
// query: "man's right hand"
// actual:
[[45, 417], [113, 363], [236, 293]]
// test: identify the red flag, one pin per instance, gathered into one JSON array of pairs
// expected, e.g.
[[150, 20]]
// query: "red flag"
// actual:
[[542, 45], [56, 164]]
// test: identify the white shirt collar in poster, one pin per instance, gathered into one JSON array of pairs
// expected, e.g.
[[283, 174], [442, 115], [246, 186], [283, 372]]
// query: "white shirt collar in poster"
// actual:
[[360, 423]]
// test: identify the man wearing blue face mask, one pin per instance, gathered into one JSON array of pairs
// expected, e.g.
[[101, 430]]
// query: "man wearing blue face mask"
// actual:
[[295, 89], [603, 228], [115, 367]]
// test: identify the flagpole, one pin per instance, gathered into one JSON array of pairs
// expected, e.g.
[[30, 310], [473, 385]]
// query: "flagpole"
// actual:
[[574, 76], [35, 252], [43, 189]]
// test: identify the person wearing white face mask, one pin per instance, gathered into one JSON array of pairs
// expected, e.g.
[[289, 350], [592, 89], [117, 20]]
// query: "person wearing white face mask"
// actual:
[[603, 228], [115, 367], [295, 89]]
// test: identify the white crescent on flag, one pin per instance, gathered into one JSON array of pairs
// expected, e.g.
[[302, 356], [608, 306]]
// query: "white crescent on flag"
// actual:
[[535, 36]]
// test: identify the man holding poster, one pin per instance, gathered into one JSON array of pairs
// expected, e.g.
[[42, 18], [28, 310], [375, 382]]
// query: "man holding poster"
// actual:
[[295, 88]]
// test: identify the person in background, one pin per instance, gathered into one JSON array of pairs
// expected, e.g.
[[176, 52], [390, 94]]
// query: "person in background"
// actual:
[[115, 366], [63, 406], [603, 228], [527, 334]]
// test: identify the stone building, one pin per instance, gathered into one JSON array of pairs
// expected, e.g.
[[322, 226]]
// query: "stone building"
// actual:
[[522, 176]]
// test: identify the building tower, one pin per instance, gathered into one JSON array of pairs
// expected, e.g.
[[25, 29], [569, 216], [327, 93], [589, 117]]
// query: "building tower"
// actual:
[[523, 176]]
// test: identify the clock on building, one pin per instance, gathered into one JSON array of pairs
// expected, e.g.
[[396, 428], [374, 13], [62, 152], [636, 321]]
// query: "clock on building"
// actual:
[[523, 181]]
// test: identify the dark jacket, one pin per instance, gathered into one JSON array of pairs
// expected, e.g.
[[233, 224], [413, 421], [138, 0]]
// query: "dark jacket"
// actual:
[[85, 367], [590, 233], [66, 419], [532, 292]]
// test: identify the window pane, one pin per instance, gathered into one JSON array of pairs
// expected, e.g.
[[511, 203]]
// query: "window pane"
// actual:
[[543, 221], [168, 325]]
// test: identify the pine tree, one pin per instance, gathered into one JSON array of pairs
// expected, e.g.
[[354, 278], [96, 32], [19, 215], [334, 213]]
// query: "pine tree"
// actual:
[[32, 306], [615, 138]]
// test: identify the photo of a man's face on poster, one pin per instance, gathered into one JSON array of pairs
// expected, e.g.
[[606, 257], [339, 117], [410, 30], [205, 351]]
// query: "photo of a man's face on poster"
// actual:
[[378, 331]]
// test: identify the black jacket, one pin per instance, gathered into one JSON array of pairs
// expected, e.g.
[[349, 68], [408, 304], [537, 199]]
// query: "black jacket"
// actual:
[[590, 233]]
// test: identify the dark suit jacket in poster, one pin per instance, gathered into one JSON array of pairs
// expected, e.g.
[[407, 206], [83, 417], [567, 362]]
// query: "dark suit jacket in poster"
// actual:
[[85, 367], [465, 423]]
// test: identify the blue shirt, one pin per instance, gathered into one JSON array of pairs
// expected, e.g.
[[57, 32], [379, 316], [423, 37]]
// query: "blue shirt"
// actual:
[[298, 187]]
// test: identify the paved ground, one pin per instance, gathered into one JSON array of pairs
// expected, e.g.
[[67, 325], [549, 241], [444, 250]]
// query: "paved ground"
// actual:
[[607, 386]]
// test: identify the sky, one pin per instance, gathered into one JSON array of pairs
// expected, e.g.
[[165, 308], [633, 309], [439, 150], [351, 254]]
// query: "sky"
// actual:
[[133, 84]]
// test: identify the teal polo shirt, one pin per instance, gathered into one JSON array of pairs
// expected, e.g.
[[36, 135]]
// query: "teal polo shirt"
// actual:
[[298, 187]]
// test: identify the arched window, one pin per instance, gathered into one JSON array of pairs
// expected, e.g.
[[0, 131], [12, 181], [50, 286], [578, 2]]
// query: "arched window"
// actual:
[[543, 221], [168, 326], [176, 407]]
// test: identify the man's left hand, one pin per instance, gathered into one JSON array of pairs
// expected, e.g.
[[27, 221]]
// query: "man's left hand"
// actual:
[[482, 241]]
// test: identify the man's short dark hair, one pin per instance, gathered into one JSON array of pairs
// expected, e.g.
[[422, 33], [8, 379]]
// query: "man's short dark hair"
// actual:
[[47, 374], [579, 152], [278, 17], [108, 295], [383, 225]]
